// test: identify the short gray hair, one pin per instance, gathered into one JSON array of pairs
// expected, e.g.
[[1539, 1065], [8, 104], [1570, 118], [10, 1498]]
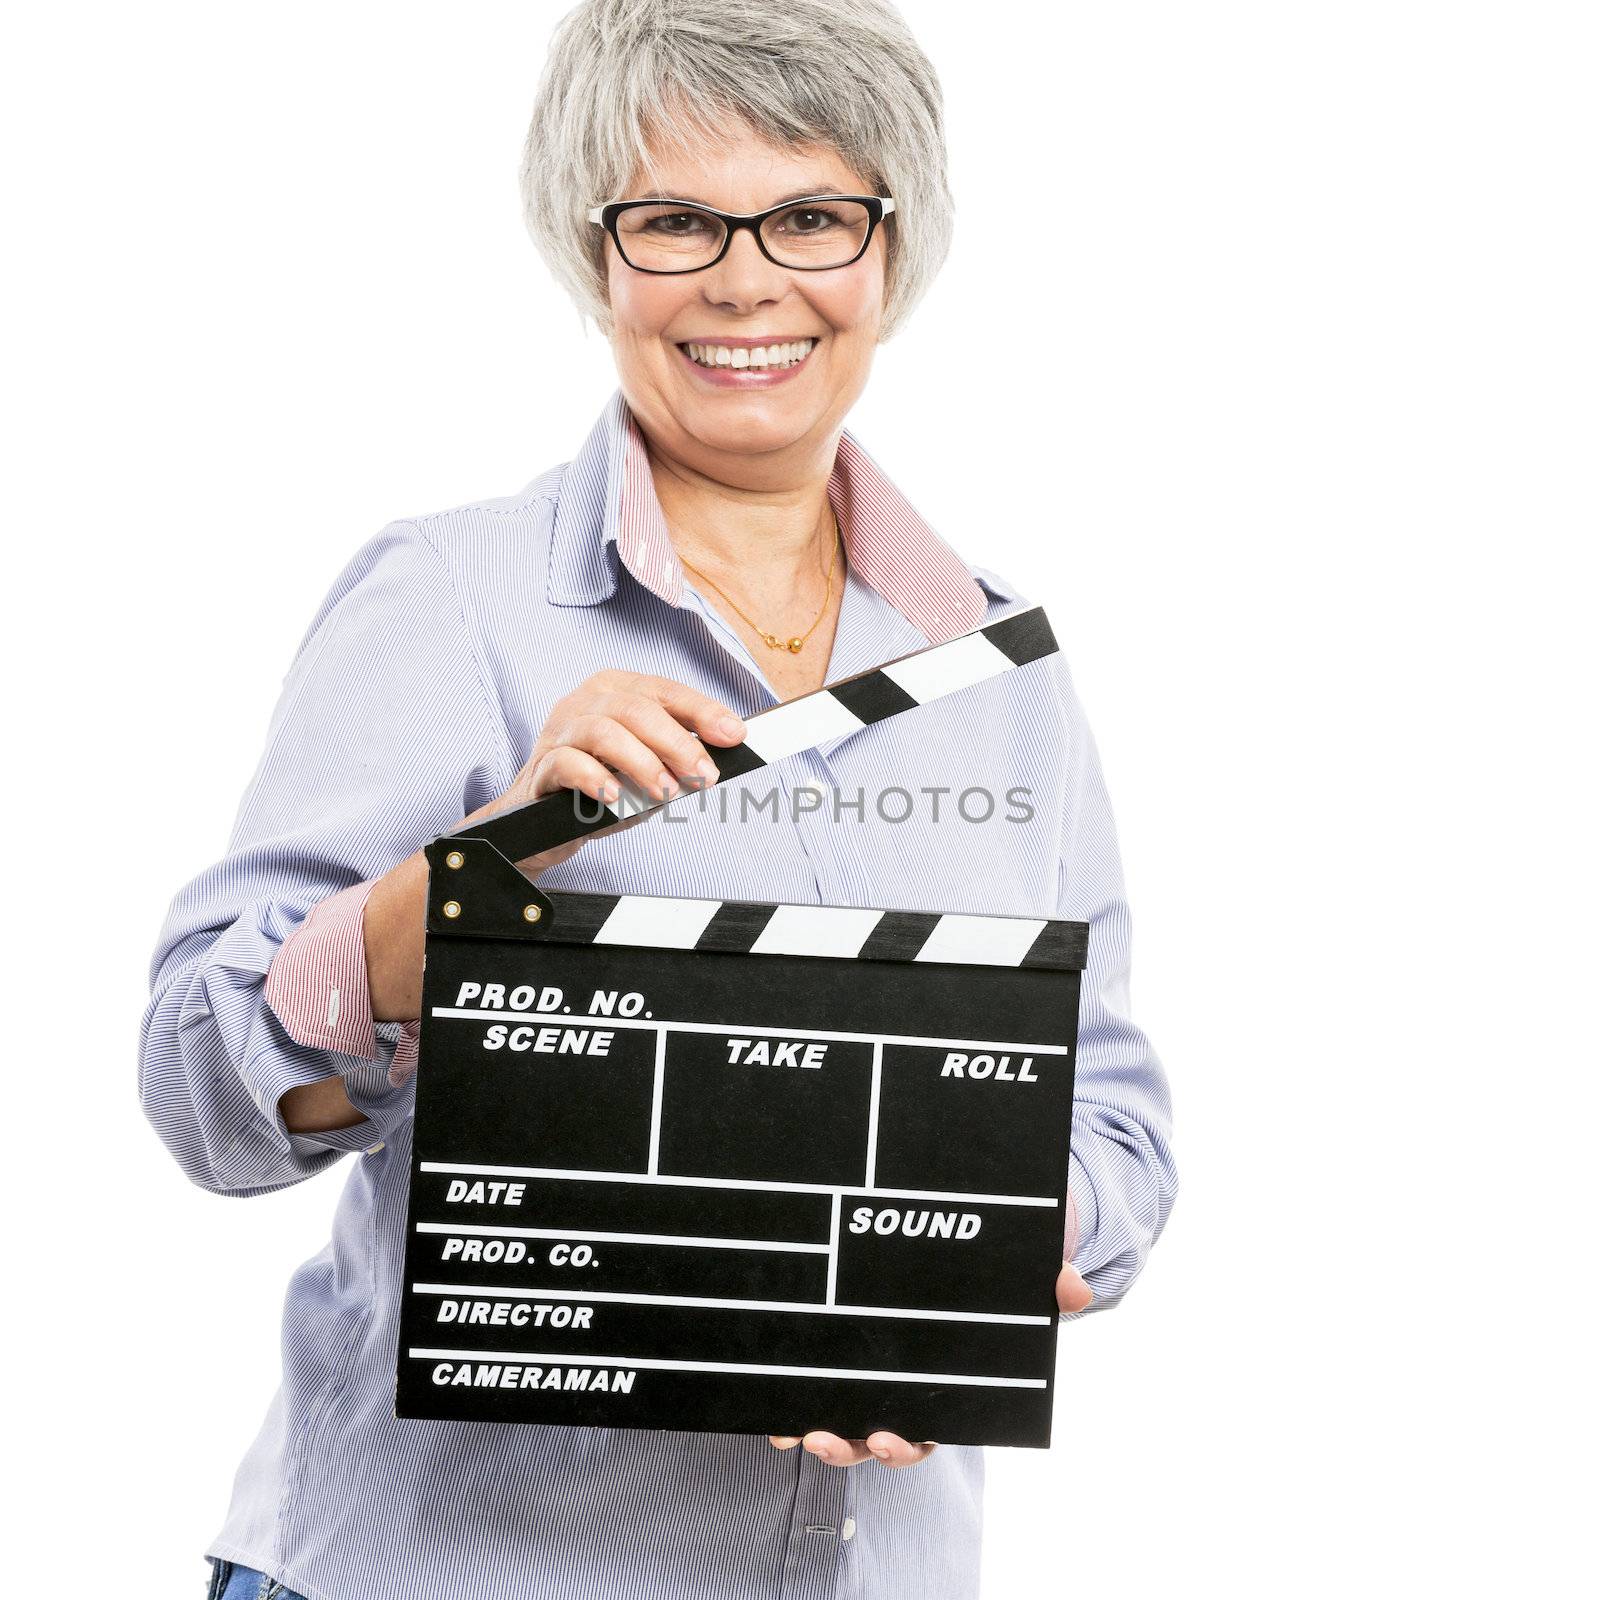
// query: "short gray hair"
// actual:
[[846, 74]]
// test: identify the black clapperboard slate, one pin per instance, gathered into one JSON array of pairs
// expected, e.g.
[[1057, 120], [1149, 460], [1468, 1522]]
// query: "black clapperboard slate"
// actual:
[[735, 1166]]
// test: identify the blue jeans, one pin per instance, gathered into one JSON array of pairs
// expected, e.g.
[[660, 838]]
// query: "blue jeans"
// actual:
[[230, 1581]]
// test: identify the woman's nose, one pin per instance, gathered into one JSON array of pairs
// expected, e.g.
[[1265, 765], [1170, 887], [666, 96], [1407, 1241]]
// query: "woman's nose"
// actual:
[[744, 276]]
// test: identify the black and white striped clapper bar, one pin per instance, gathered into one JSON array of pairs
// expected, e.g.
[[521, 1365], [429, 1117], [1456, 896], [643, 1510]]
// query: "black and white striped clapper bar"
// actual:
[[732, 1166]]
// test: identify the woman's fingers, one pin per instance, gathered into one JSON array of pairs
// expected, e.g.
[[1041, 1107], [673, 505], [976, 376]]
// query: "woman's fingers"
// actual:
[[642, 734], [835, 1451], [622, 749], [893, 1451], [1072, 1293], [888, 1449], [567, 767], [711, 719], [658, 728], [620, 727]]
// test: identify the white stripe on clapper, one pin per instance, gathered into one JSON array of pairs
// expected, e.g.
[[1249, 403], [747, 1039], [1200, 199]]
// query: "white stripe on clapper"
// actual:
[[797, 725], [655, 1099], [816, 931], [872, 1114], [658, 920], [981, 941], [550, 1020], [483, 1230], [833, 1249], [554, 1358], [724, 1303], [963, 661], [944, 1196]]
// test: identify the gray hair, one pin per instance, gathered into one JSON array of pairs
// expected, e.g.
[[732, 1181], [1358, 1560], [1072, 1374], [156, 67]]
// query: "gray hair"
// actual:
[[846, 74]]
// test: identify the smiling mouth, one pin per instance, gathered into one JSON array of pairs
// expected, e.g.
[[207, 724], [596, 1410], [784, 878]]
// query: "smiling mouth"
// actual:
[[757, 358]]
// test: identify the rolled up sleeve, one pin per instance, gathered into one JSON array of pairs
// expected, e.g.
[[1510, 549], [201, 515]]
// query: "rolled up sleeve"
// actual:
[[385, 734], [317, 983]]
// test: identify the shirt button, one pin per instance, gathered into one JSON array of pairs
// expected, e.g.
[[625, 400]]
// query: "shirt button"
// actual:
[[849, 1528]]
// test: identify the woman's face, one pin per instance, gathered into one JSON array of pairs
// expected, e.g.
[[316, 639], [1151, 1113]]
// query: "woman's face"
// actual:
[[706, 418]]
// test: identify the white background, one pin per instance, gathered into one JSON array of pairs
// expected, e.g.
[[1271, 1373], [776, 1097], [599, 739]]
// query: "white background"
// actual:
[[1266, 357]]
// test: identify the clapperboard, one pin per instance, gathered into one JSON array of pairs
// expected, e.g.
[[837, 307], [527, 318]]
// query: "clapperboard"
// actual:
[[738, 1166]]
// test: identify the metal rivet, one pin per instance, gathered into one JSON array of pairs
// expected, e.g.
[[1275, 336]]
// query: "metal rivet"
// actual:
[[455, 859], [532, 913], [452, 908]]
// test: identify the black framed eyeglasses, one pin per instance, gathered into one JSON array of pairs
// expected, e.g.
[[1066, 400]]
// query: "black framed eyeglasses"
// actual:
[[815, 233]]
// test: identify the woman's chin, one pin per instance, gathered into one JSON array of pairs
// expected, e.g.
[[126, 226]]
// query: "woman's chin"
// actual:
[[747, 424]]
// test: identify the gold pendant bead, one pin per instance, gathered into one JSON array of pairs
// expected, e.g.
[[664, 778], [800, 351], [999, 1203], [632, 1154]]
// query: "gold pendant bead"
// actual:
[[771, 640]]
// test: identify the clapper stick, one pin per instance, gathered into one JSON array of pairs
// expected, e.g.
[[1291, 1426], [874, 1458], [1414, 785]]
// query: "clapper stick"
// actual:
[[795, 725]]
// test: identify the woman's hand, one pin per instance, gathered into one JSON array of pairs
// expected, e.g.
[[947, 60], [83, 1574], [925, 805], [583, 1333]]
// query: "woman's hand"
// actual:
[[649, 729], [1072, 1294], [888, 1448], [644, 727]]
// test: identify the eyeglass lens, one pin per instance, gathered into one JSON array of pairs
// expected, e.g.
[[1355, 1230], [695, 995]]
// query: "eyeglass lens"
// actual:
[[677, 238]]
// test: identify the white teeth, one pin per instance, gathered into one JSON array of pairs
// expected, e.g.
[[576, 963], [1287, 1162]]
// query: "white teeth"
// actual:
[[741, 356]]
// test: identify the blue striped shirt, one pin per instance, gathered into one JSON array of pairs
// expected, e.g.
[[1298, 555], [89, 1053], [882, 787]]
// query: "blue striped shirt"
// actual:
[[416, 693]]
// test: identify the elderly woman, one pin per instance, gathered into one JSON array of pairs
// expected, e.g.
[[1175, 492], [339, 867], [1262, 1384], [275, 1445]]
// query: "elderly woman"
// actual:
[[749, 196]]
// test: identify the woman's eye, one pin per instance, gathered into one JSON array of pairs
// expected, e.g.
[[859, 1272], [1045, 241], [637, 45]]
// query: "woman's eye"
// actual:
[[678, 223], [807, 219]]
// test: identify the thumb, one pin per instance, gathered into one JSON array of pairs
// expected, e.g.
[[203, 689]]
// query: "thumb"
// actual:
[[1072, 1293]]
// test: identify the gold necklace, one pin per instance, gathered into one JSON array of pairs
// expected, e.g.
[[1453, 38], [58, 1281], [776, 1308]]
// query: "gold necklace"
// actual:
[[793, 646]]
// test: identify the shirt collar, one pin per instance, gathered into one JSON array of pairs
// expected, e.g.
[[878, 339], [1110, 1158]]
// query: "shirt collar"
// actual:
[[608, 516]]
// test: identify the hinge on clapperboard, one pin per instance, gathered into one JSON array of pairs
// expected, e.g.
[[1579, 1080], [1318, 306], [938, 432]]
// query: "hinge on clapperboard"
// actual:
[[476, 890]]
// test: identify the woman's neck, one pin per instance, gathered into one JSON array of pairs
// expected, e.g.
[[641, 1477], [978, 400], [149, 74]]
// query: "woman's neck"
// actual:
[[766, 541], [771, 558]]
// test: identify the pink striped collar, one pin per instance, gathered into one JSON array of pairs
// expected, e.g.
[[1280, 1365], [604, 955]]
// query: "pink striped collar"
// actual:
[[888, 545]]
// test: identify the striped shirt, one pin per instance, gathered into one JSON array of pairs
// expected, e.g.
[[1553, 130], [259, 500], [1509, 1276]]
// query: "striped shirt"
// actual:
[[420, 686]]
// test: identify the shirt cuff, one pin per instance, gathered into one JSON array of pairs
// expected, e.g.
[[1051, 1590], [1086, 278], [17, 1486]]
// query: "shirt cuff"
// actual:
[[317, 980], [276, 1073], [1082, 1211], [405, 1053]]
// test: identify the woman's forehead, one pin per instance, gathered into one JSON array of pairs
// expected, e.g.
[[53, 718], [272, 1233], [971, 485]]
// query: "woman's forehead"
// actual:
[[741, 171]]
